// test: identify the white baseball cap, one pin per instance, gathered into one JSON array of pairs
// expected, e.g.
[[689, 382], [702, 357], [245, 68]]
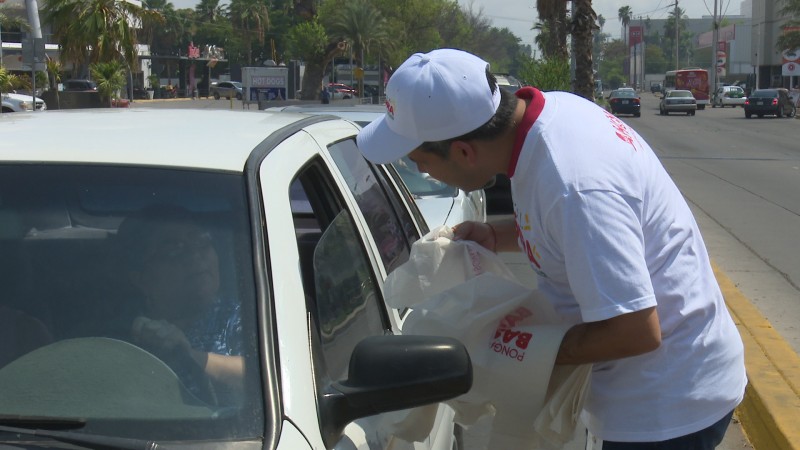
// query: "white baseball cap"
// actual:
[[431, 97]]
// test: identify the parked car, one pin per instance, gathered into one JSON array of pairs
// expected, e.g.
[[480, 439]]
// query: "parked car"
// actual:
[[770, 102], [678, 100], [12, 102], [79, 85], [624, 102], [728, 96], [226, 89], [508, 82], [341, 91], [127, 272], [441, 204]]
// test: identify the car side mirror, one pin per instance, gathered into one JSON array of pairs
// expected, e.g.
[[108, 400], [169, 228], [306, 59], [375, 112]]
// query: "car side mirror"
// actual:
[[389, 373]]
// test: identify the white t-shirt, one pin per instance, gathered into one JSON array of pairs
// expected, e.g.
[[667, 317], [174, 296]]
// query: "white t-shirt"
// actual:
[[609, 233]]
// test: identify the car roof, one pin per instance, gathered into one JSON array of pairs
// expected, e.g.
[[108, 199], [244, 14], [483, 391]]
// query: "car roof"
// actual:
[[353, 112], [201, 139]]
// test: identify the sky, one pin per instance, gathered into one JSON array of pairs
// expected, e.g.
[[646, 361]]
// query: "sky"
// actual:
[[520, 15]]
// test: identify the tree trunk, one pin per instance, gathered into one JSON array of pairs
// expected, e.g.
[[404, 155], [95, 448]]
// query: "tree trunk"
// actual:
[[583, 26]]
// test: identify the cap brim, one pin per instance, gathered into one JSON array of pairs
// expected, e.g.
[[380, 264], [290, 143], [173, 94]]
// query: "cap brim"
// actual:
[[381, 145]]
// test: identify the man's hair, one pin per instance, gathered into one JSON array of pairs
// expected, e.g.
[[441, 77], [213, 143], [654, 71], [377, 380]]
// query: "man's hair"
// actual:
[[500, 122]]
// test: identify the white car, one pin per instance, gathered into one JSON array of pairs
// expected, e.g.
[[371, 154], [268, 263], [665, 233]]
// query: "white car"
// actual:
[[729, 96], [440, 203], [132, 269], [18, 103]]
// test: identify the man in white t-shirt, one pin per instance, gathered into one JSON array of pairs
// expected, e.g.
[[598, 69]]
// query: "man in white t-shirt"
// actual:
[[615, 246]]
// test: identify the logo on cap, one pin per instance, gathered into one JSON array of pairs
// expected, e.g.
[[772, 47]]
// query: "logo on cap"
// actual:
[[389, 108]]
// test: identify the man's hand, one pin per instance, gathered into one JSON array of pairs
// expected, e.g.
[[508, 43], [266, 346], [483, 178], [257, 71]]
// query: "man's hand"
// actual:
[[500, 236]]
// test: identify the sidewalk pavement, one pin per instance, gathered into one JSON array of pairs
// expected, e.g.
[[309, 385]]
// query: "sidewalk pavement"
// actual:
[[768, 416]]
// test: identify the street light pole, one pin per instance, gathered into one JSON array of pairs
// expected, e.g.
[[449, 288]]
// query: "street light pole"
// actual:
[[677, 34]]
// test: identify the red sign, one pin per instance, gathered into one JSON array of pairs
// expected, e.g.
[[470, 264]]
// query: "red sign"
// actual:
[[634, 35], [194, 52]]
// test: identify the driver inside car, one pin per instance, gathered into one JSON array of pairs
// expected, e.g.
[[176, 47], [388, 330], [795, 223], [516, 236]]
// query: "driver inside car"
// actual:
[[184, 320]]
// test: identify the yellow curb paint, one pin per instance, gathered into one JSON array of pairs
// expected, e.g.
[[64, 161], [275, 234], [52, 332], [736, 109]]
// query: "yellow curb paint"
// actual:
[[770, 411]]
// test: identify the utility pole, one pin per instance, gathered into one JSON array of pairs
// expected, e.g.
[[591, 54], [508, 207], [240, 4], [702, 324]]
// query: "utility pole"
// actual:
[[714, 50], [677, 18]]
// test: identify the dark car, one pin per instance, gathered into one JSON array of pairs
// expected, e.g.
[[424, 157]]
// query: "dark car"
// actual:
[[80, 86], [656, 88], [773, 102], [625, 102]]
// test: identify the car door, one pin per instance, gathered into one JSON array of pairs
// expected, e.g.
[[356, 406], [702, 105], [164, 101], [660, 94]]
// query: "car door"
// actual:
[[339, 222]]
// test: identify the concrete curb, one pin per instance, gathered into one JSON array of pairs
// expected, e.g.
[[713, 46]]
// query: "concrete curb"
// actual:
[[770, 411]]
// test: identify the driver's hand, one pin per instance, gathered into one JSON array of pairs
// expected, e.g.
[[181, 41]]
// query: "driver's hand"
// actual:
[[159, 336]]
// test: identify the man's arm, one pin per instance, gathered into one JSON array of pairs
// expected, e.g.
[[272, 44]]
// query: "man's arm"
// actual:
[[623, 336]]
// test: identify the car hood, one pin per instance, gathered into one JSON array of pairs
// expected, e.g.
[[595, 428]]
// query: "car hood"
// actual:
[[21, 97]]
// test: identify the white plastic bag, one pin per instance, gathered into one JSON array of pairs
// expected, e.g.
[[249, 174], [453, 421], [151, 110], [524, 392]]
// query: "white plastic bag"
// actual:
[[462, 290]]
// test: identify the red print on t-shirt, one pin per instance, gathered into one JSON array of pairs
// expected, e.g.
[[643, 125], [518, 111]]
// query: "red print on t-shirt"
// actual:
[[622, 130]]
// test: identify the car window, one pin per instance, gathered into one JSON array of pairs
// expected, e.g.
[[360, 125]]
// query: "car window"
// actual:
[[343, 298], [422, 184], [109, 278], [680, 94], [389, 231]]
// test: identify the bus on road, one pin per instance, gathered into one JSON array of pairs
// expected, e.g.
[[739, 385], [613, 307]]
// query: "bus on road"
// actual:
[[692, 79]]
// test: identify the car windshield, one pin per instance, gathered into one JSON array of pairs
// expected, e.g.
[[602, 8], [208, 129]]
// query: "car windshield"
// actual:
[[680, 94], [765, 94], [113, 281], [236, 84], [625, 94]]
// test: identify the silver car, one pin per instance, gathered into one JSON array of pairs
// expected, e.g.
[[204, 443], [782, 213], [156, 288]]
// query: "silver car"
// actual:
[[678, 100], [226, 89]]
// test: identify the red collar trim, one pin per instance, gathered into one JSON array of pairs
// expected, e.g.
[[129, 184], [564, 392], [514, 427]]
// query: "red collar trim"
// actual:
[[531, 114]]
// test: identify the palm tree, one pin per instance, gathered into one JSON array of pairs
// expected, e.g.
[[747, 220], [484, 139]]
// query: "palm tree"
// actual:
[[209, 11], [251, 17], [362, 25], [790, 39], [583, 26], [110, 78], [95, 30], [625, 14], [553, 13]]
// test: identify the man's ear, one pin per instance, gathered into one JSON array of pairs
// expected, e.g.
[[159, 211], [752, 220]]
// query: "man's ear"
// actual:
[[464, 151]]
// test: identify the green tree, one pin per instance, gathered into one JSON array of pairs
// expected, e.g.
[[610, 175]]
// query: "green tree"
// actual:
[[583, 25], [110, 78], [625, 14], [5, 80], [547, 74], [553, 13], [95, 30], [610, 68], [251, 19], [361, 24], [309, 41], [790, 40], [655, 62]]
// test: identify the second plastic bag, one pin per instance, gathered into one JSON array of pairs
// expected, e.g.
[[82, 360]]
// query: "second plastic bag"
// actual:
[[462, 290]]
